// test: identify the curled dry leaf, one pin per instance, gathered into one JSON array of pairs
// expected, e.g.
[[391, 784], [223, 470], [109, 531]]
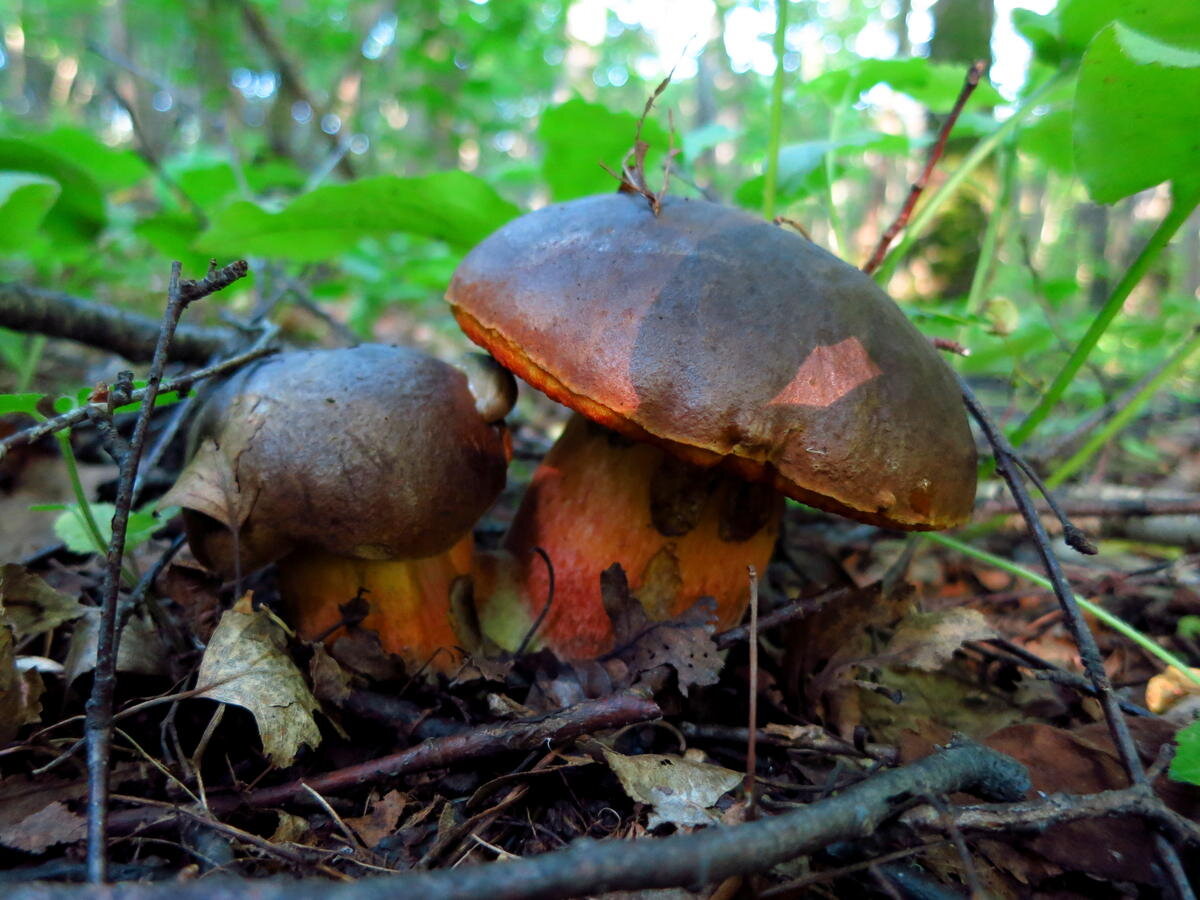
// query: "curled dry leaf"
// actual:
[[681, 791], [32, 606], [381, 819], [1171, 689], [246, 664]]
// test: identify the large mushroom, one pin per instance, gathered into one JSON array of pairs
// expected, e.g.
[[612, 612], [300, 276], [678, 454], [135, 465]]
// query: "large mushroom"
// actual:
[[718, 363], [360, 468]]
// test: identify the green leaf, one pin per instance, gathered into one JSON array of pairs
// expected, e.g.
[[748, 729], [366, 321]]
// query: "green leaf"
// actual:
[[1165, 20], [1048, 140], [24, 201], [173, 234], [1042, 31], [78, 214], [934, 85], [578, 136], [1134, 127], [1186, 764], [451, 206], [705, 138], [72, 530], [111, 169], [802, 166], [20, 403]]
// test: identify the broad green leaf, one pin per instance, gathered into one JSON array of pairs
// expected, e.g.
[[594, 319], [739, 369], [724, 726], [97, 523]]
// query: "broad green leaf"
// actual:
[[1042, 31], [1048, 140], [20, 403], [1186, 764], [172, 234], [111, 169], [578, 136], [24, 201], [78, 215], [933, 85], [1133, 127], [1166, 20], [451, 206], [72, 529], [705, 138]]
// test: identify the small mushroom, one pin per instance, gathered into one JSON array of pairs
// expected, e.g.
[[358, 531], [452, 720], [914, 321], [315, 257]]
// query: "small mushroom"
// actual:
[[360, 468], [724, 363]]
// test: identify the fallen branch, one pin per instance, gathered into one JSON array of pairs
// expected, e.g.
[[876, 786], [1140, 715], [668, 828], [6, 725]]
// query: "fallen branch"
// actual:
[[59, 315], [593, 867]]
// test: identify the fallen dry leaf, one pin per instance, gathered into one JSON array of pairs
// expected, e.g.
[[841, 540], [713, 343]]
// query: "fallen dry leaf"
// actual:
[[928, 640], [34, 814], [20, 689], [381, 819], [681, 791], [246, 664], [141, 651], [32, 606], [684, 643], [331, 683], [1170, 688]]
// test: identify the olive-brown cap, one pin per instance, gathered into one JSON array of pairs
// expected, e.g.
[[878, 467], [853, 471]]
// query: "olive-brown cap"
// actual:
[[373, 452], [726, 339]]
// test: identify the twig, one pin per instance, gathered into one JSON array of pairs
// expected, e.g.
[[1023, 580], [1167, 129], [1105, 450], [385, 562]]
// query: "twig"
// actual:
[[55, 314], [593, 867], [795, 609], [180, 385], [1089, 653], [752, 727], [99, 711], [918, 186], [1104, 507]]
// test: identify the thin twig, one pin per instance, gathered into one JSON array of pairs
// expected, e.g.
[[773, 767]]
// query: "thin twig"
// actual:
[[795, 609], [99, 711], [1089, 653], [918, 186], [752, 727], [179, 385]]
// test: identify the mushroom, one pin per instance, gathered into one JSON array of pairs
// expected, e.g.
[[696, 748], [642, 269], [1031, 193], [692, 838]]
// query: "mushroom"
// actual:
[[717, 364], [360, 468]]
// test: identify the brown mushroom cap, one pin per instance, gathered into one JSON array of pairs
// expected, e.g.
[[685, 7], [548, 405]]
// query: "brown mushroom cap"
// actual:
[[372, 452], [726, 339]]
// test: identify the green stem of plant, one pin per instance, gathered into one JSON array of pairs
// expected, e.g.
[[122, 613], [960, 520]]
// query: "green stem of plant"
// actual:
[[1116, 624], [841, 242], [1181, 209], [970, 163], [1126, 414], [991, 235], [33, 355], [83, 506], [771, 177]]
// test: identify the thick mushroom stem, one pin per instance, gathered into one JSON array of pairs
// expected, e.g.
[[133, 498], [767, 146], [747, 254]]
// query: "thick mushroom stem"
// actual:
[[408, 600], [680, 533]]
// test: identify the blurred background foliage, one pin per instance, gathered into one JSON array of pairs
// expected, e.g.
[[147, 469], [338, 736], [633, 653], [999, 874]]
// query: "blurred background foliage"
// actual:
[[355, 150]]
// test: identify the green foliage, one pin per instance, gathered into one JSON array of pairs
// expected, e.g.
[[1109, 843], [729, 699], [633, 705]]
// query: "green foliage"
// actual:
[[933, 85], [24, 201], [1131, 130], [451, 206], [578, 136], [71, 525], [1186, 764], [77, 215]]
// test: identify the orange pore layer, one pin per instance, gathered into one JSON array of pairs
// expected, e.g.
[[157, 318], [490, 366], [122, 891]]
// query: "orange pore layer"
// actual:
[[409, 600], [588, 506]]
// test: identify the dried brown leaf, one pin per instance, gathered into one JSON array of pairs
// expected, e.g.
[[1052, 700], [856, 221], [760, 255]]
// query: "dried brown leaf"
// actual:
[[32, 606], [34, 814], [928, 640], [141, 652], [381, 819], [246, 664], [681, 791]]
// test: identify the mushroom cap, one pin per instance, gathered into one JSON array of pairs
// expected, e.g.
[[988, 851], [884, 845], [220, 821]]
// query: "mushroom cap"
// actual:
[[372, 452], [726, 339]]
